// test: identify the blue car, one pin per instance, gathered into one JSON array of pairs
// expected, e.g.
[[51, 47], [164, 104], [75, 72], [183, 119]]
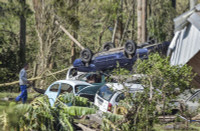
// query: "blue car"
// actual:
[[108, 59], [78, 88]]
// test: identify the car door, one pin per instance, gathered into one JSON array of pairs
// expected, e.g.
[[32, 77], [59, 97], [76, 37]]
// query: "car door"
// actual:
[[89, 92], [53, 92]]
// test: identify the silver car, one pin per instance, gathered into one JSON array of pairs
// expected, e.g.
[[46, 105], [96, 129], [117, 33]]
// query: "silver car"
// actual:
[[110, 94]]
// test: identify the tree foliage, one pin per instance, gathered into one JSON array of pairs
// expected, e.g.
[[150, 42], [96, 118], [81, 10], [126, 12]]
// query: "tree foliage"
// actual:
[[9, 39], [159, 80], [92, 23], [39, 115]]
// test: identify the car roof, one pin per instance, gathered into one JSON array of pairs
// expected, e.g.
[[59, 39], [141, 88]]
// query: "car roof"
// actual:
[[74, 82], [131, 86]]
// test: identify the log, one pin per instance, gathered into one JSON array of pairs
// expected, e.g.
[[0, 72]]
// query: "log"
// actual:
[[70, 36], [32, 79], [84, 128]]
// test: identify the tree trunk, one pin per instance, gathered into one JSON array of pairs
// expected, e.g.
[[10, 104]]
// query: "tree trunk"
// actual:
[[144, 10], [119, 26], [174, 4], [133, 20], [48, 33], [75, 24], [121, 20], [141, 11], [139, 21], [22, 52]]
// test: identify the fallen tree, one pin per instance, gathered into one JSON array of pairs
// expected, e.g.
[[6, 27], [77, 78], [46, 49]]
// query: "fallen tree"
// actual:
[[33, 79]]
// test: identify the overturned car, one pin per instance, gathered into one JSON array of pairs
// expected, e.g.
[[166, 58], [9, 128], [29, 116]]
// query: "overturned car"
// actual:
[[110, 56]]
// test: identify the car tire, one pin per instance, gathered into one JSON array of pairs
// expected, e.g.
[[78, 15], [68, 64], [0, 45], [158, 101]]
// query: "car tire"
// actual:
[[86, 55], [130, 47], [107, 46]]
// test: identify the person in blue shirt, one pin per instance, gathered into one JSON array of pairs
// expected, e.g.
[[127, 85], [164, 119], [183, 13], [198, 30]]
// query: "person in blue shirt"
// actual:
[[23, 81]]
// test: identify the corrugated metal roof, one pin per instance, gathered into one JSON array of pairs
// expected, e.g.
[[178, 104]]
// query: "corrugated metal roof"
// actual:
[[194, 19], [186, 42], [181, 21], [187, 45]]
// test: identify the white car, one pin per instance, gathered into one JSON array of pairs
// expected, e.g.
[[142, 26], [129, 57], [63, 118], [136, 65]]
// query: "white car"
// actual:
[[97, 77], [110, 94], [73, 74], [76, 87]]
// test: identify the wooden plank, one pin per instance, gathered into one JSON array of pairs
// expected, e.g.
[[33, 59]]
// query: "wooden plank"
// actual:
[[195, 64], [70, 36]]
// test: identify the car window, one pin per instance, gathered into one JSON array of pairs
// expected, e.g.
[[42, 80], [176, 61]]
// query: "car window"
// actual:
[[73, 72], [79, 87], [196, 97], [66, 88], [105, 92], [89, 90], [120, 97], [54, 88]]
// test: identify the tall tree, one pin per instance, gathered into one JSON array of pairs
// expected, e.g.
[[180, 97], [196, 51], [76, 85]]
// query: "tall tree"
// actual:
[[144, 12], [70, 19], [48, 34], [75, 25], [158, 26], [141, 21], [22, 52]]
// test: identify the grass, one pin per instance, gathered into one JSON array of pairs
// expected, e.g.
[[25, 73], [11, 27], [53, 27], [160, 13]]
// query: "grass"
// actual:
[[4, 103]]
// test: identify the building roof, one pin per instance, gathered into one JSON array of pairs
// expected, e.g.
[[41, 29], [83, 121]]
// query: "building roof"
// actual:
[[186, 42]]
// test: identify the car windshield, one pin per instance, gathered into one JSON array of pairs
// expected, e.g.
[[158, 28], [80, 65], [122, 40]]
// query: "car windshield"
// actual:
[[105, 92], [79, 87]]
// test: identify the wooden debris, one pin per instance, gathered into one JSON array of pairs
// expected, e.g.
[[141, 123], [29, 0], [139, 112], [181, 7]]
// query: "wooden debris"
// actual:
[[70, 36], [84, 128], [32, 79]]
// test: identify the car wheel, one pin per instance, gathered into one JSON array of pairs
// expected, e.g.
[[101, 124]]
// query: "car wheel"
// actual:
[[108, 45], [86, 55], [130, 47]]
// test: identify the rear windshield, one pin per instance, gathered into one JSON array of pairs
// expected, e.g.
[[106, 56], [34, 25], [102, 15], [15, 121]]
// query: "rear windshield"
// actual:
[[105, 92]]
